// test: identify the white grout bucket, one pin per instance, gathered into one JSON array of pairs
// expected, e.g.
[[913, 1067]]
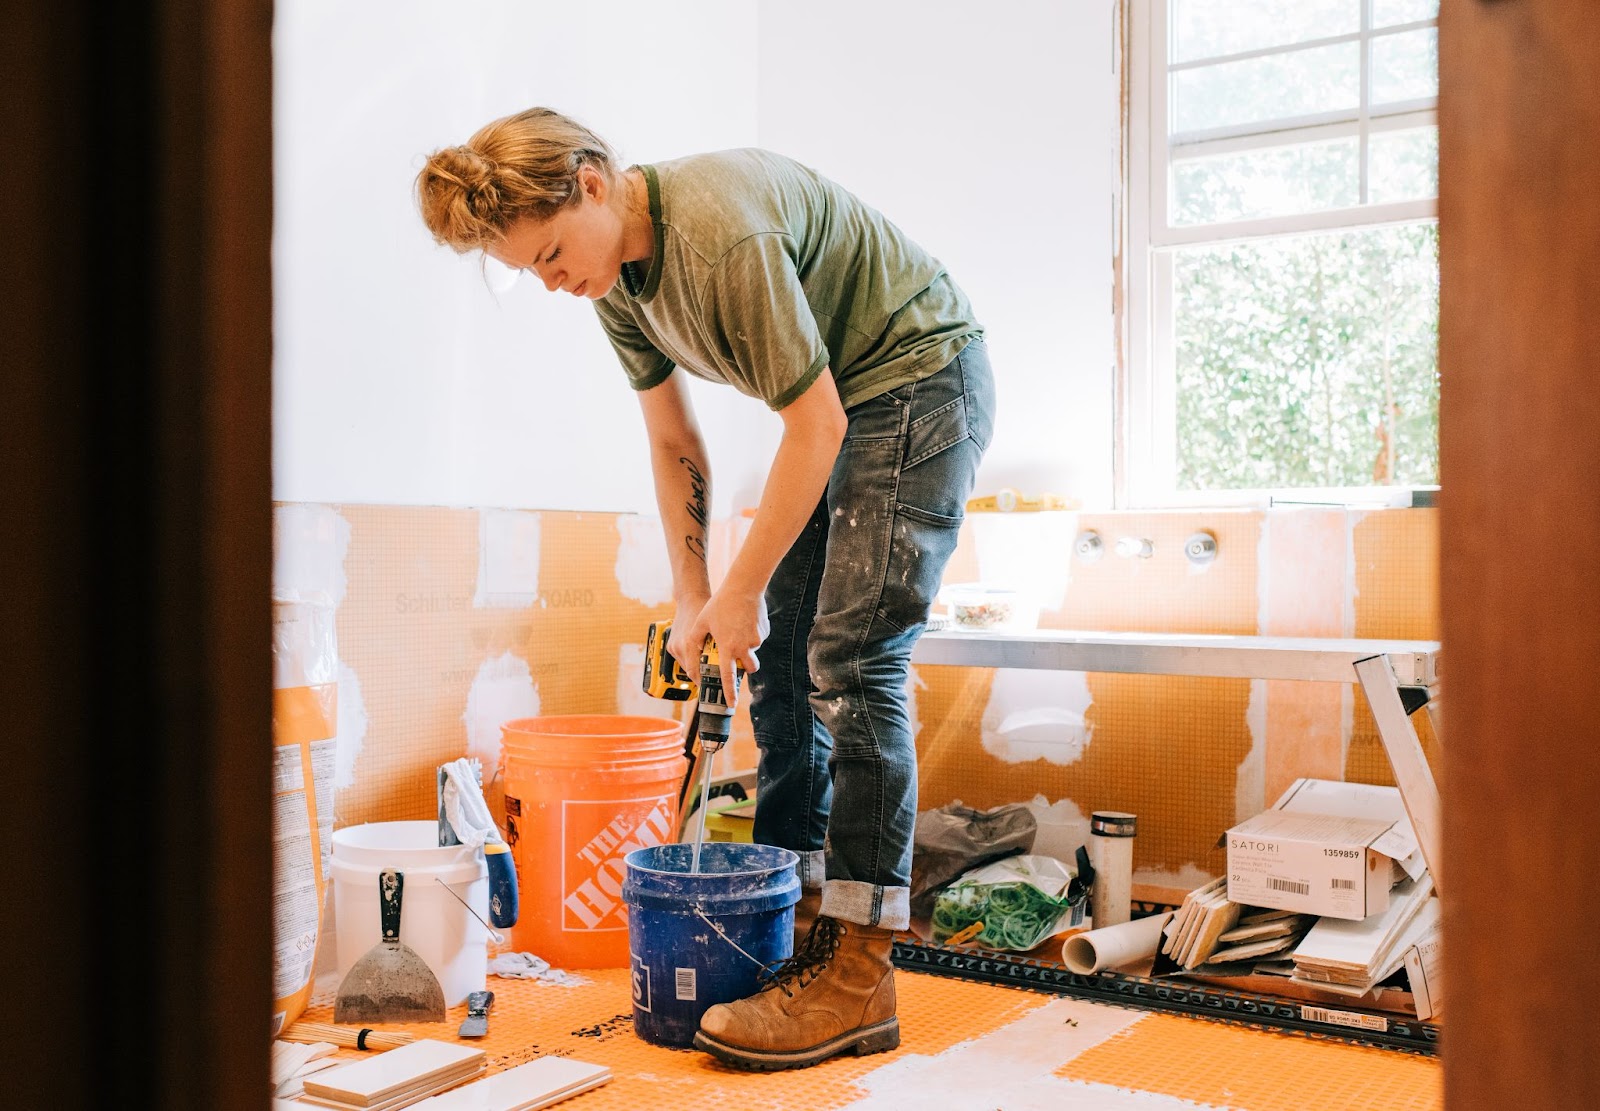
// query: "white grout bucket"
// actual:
[[433, 921]]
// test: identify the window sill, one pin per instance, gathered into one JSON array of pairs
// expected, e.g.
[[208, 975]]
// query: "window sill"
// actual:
[[1346, 497]]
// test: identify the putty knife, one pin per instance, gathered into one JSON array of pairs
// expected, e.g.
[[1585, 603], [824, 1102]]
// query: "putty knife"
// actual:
[[390, 983], [476, 1024]]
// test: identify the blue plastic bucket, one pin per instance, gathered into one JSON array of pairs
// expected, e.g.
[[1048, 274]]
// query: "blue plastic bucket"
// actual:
[[686, 930]]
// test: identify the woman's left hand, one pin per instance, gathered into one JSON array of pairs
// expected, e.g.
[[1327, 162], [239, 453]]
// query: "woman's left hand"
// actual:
[[736, 621]]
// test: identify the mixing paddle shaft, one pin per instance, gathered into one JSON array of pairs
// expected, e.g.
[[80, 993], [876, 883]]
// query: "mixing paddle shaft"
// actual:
[[716, 720], [665, 677], [707, 751]]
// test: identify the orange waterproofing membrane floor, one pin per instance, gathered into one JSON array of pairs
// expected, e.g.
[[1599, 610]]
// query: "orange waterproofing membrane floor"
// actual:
[[964, 1047]]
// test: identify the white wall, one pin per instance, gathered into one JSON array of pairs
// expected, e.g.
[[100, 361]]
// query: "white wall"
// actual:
[[984, 130], [399, 378]]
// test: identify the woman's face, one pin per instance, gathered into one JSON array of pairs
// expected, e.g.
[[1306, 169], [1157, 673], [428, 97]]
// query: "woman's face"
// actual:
[[577, 251]]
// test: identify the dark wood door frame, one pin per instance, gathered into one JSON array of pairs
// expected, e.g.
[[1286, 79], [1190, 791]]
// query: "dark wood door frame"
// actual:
[[1519, 226], [135, 574]]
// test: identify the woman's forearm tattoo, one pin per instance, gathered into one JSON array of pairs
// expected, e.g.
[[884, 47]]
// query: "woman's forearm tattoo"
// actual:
[[696, 505]]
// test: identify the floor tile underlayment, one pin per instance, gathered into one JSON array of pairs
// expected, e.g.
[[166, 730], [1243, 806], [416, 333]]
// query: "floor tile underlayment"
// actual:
[[965, 1047]]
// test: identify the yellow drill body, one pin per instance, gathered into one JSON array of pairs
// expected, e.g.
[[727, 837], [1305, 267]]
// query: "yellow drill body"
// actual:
[[665, 677]]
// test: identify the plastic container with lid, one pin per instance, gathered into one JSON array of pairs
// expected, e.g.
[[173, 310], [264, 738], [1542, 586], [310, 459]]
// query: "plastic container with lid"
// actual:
[[980, 606]]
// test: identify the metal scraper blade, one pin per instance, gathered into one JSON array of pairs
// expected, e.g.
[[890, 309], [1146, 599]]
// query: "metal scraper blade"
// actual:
[[476, 1024], [390, 983]]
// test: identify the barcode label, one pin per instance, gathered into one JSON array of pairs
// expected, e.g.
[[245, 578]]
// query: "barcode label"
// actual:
[[1344, 885], [1293, 888], [684, 980], [1346, 1018]]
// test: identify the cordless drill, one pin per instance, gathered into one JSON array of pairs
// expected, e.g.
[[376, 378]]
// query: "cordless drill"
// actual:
[[665, 677]]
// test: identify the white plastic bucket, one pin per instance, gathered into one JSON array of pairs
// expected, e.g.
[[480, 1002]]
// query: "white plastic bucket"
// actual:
[[432, 920]]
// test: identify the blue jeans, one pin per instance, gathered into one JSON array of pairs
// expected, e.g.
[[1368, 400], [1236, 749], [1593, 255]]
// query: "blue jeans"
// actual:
[[837, 781]]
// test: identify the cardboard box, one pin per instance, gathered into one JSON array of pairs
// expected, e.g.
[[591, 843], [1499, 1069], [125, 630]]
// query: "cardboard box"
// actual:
[[1361, 800], [1425, 971], [1322, 864]]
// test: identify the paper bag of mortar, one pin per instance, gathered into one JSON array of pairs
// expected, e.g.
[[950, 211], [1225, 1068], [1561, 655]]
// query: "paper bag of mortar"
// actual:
[[305, 702]]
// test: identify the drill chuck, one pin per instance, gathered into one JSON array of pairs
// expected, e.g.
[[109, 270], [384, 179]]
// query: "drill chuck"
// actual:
[[716, 720], [665, 677]]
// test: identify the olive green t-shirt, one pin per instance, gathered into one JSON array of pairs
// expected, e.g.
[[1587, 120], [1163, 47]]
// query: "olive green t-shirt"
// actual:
[[765, 272]]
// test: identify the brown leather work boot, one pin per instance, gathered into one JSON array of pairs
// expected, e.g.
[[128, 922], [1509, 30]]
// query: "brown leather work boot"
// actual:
[[835, 996], [805, 913]]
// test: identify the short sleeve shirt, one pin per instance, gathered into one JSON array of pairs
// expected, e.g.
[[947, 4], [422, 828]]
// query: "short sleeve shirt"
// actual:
[[765, 272]]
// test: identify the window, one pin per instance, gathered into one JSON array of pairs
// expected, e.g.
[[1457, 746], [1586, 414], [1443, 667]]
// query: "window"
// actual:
[[1281, 251]]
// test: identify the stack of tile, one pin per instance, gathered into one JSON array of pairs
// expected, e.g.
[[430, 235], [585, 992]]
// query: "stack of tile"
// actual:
[[1209, 929], [397, 1078], [1350, 957], [292, 1062], [528, 1087]]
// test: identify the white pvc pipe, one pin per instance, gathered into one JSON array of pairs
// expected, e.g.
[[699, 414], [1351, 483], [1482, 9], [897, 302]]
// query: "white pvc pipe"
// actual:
[[1112, 946]]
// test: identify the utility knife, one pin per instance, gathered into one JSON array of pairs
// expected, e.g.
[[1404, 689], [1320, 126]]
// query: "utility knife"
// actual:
[[476, 1024]]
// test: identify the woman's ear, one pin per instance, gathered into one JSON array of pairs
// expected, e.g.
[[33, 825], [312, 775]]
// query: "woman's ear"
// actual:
[[593, 183]]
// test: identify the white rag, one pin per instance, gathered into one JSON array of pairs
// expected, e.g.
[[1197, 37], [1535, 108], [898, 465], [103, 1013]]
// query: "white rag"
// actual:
[[464, 805], [527, 966]]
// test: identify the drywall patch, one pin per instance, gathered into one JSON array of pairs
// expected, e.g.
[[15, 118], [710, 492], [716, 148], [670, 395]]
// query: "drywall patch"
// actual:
[[1037, 715], [502, 691], [508, 559], [1014, 1068], [643, 571], [352, 729], [309, 543], [1250, 782], [1264, 576], [1351, 520], [1028, 552]]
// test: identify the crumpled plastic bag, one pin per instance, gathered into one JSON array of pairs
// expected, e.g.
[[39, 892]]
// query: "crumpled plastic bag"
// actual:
[[1018, 902], [955, 838]]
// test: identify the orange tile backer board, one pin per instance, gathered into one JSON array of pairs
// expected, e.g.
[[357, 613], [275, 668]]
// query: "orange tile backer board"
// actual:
[[1167, 748], [594, 1023], [411, 631], [1395, 556], [1164, 593], [1259, 1070]]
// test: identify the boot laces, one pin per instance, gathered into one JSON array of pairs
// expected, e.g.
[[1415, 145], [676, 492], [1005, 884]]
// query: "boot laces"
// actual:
[[809, 959]]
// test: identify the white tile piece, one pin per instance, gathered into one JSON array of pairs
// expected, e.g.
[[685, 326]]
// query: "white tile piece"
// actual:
[[538, 1083], [406, 1097], [369, 1082]]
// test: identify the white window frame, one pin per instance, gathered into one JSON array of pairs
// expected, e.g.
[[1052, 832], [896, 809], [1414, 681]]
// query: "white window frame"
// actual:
[[1146, 449]]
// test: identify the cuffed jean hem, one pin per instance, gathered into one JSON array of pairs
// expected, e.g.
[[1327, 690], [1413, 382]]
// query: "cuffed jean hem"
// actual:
[[810, 870], [867, 904]]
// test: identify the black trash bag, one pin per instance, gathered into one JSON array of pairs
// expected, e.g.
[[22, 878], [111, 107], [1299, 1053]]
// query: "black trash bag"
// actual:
[[955, 838]]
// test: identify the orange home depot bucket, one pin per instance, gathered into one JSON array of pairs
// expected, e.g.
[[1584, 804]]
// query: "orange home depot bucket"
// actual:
[[582, 792]]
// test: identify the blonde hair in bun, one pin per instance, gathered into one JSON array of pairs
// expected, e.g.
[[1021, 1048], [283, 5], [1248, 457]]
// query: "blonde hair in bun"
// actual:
[[521, 165]]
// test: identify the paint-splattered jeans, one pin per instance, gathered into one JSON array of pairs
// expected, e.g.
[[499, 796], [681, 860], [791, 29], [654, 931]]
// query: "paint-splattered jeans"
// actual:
[[838, 776]]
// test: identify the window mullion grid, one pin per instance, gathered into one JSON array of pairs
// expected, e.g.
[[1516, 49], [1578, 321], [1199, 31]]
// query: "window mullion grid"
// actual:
[[1366, 31], [1156, 409], [1363, 146], [1161, 110], [1183, 149], [1163, 416], [1298, 223]]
